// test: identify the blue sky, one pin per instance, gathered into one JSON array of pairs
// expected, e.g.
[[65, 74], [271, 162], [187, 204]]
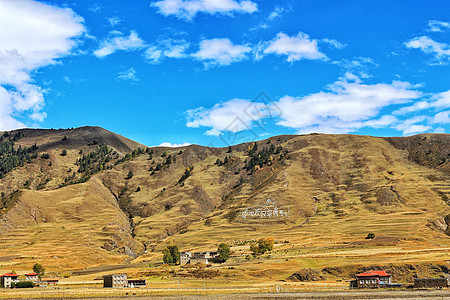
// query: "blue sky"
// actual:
[[219, 72]]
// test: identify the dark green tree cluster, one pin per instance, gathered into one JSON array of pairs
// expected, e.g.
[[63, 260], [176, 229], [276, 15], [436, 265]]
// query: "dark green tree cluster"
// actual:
[[10, 157], [186, 174], [39, 269], [370, 236], [130, 156], [95, 161], [219, 162], [224, 252], [22, 284], [129, 175], [169, 159], [262, 157], [262, 246], [171, 255]]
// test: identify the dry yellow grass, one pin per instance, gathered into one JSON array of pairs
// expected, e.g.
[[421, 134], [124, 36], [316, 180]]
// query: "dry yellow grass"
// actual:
[[338, 188]]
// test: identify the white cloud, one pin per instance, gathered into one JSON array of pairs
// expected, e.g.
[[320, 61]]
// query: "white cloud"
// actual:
[[170, 48], [437, 101], [174, 145], [437, 26], [440, 51], [188, 9], [221, 52], [95, 8], [129, 74], [114, 21], [296, 47], [410, 126], [278, 12], [32, 35], [118, 42], [357, 65], [232, 116], [275, 14], [334, 43], [345, 107], [442, 118]]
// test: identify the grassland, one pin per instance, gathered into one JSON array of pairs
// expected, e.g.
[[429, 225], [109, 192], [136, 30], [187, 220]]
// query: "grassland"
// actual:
[[337, 188]]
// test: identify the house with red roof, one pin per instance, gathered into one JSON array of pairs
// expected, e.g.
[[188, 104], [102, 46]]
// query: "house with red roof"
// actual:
[[32, 277], [371, 279], [8, 278]]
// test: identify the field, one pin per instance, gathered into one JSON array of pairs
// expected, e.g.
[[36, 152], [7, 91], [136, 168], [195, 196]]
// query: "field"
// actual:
[[225, 294]]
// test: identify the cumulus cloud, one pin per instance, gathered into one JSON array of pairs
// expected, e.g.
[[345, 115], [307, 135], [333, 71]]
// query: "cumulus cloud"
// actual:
[[442, 118], [174, 145], [440, 51], [437, 101], [221, 52], [118, 42], [32, 35], [232, 116], [188, 9], [295, 47], [437, 26], [129, 74], [347, 106], [171, 48], [411, 126]]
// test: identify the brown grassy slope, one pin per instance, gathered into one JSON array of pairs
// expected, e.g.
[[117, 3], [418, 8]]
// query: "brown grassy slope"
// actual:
[[337, 188], [431, 150], [68, 228], [360, 183]]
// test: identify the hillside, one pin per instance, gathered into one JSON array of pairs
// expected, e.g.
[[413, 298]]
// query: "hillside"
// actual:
[[317, 195]]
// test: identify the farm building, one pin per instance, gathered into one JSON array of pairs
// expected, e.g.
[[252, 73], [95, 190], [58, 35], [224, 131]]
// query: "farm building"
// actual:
[[136, 283], [115, 280], [32, 277], [371, 279], [9, 278], [431, 282], [197, 257]]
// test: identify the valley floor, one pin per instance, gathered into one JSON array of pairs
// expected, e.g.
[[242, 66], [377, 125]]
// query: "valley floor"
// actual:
[[223, 294]]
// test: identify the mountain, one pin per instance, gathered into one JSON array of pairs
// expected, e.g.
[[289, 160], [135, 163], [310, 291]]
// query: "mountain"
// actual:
[[109, 200]]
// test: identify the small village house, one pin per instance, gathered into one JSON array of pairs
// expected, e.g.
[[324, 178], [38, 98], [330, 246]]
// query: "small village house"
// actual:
[[198, 257], [8, 278], [185, 257], [32, 277], [115, 280], [371, 279]]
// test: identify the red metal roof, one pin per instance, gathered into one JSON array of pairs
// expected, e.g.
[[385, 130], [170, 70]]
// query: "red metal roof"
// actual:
[[32, 274], [9, 274], [373, 273]]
